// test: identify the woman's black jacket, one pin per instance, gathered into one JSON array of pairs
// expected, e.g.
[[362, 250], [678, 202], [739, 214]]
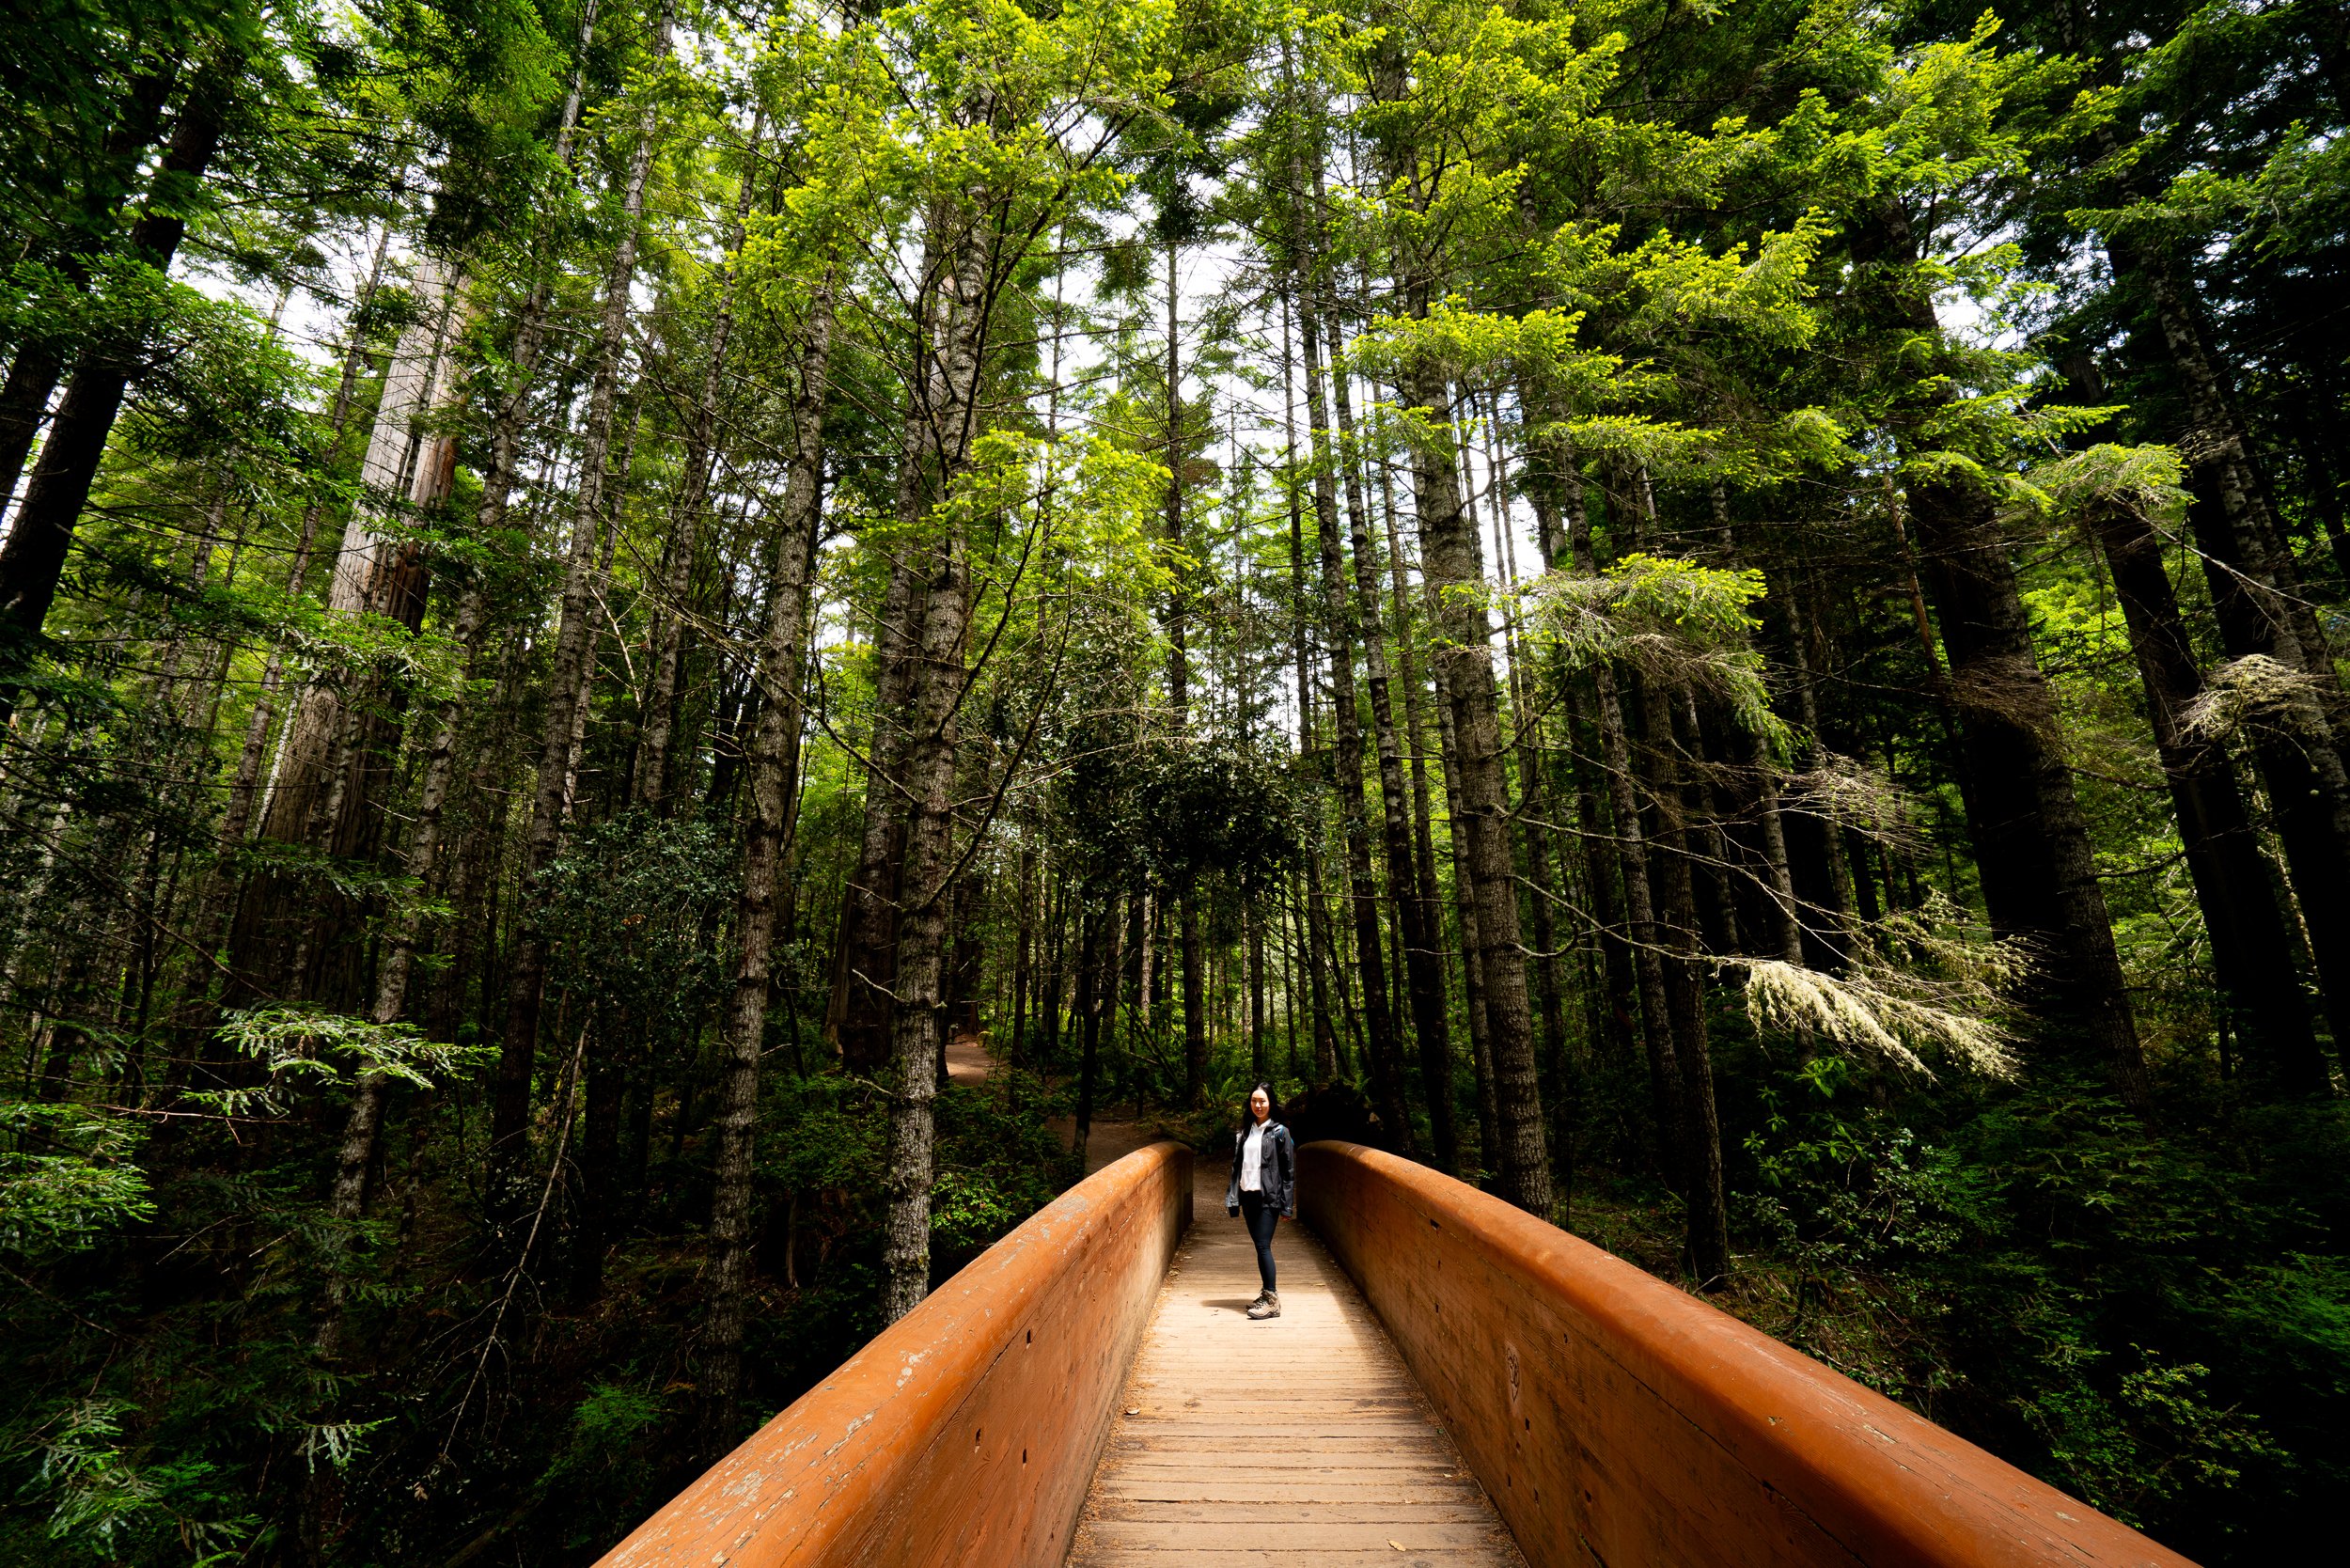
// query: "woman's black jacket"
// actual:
[[1276, 1172]]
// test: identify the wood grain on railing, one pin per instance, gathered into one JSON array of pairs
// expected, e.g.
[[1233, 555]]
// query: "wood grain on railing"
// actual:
[[966, 1431], [1616, 1420]]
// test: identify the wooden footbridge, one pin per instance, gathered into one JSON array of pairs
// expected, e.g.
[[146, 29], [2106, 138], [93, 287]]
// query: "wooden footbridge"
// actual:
[[1451, 1383]]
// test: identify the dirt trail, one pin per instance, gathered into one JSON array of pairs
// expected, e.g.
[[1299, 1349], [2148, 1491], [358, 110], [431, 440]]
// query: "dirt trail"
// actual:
[[967, 1060], [1113, 1135]]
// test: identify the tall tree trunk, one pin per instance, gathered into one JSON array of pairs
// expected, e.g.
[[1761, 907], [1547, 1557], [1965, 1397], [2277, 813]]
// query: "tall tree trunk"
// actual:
[[1814, 850], [1092, 926], [1024, 965], [1259, 1047], [1451, 560], [2031, 842], [33, 559], [1436, 1047], [870, 912], [336, 757], [1423, 963], [2252, 951], [1632, 852], [1556, 477], [39, 361], [1339, 617], [363, 1126], [570, 672], [1326, 1059], [687, 511], [1178, 697], [2262, 610], [1526, 746], [1708, 1234], [1490, 1135], [940, 421], [772, 781], [215, 903]]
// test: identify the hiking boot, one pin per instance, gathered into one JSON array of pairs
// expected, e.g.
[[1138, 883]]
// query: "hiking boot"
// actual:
[[1266, 1305]]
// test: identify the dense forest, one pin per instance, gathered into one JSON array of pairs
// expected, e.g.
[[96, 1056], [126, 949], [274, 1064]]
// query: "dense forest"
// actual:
[[1718, 618]]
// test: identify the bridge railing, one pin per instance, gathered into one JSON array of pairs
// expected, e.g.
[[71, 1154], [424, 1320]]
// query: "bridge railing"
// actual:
[[1615, 1420], [965, 1432]]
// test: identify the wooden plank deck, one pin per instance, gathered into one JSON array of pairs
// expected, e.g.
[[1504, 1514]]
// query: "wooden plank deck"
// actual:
[[1298, 1441]]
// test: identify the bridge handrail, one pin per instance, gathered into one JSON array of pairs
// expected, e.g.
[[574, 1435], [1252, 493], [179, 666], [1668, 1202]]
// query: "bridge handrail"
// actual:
[[968, 1431], [1618, 1419]]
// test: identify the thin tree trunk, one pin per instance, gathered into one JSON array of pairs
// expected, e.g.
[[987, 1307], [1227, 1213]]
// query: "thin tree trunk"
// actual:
[[570, 670], [1259, 1047], [1339, 613], [1088, 1017], [1023, 954], [686, 514]]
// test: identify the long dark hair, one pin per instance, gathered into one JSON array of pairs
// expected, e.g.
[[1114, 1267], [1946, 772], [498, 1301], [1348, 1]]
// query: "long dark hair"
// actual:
[[1273, 1107]]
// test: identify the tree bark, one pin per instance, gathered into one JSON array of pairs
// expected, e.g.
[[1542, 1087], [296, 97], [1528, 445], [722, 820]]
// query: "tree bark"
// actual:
[[33, 559], [2252, 951], [687, 513], [571, 670], [2031, 842], [772, 781], [1339, 614], [940, 420]]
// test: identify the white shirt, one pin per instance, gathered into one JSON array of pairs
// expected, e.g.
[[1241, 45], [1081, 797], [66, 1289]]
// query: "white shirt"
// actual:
[[1251, 1159]]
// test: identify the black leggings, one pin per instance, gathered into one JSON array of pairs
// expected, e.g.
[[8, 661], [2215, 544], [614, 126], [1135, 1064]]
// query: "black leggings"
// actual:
[[1259, 1220]]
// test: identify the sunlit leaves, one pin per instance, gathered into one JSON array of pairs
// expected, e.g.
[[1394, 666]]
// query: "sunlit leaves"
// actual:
[[66, 1175], [299, 1047], [1673, 621]]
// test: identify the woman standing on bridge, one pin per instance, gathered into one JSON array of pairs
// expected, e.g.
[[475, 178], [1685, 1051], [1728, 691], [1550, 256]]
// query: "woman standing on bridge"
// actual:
[[1264, 1188]]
